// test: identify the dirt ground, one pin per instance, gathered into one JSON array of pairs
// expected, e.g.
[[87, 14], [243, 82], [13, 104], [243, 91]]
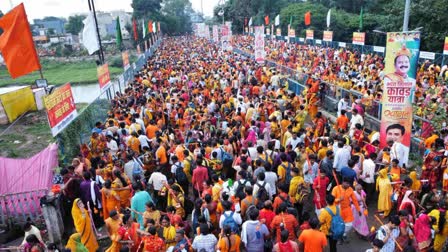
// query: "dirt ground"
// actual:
[[26, 137]]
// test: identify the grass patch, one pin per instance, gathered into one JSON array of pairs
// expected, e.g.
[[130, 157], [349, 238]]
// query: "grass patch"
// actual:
[[59, 73]]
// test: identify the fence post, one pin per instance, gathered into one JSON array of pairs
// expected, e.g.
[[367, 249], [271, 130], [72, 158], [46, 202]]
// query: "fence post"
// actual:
[[53, 219]]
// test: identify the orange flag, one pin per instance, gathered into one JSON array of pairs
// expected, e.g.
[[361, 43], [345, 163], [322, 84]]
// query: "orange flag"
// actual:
[[266, 20], [150, 26], [308, 18], [16, 43]]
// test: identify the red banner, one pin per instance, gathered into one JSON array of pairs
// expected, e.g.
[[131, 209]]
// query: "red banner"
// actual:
[[61, 109], [328, 36], [359, 38], [445, 46], [309, 34], [103, 77], [125, 56]]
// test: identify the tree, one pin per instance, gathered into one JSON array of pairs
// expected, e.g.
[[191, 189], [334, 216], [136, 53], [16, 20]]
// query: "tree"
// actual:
[[177, 16], [146, 8], [74, 24]]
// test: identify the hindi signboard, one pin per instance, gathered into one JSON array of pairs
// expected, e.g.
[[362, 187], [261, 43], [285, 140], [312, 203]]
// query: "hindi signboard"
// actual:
[[309, 34], [215, 34], [328, 36], [125, 56], [402, 50], [61, 108], [103, 77], [259, 44], [279, 32], [359, 38]]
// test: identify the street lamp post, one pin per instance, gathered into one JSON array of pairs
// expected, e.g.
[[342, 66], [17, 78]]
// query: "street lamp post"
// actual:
[[407, 8]]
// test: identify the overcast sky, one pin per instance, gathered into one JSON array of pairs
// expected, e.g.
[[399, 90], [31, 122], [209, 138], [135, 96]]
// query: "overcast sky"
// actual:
[[64, 8]]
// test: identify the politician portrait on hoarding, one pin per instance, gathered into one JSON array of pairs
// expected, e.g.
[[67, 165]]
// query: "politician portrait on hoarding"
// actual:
[[394, 136], [402, 65]]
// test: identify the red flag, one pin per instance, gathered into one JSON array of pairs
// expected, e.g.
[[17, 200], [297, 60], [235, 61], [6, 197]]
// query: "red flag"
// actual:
[[134, 27], [150, 26], [308, 18], [266, 20], [16, 43]]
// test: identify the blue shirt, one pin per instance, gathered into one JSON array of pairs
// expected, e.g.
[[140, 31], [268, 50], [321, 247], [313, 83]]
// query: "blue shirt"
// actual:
[[138, 203], [349, 173]]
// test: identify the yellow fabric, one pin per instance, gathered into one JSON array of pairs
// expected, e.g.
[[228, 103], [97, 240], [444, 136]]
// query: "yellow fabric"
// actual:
[[385, 191], [169, 233], [113, 227], [295, 182], [18, 102], [416, 184], [325, 219], [440, 238], [83, 225]]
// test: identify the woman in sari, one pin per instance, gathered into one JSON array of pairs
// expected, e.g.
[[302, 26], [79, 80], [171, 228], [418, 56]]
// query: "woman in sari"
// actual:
[[385, 192], [416, 184], [121, 186], [128, 233], [110, 199], [74, 244], [113, 224], [407, 203], [169, 232], [83, 225], [360, 223], [440, 226], [422, 230]]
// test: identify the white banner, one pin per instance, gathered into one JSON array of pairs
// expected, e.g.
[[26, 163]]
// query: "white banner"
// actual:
[[215, 34], [380, 49], [225, 38], [342, 44], [427, 55], [259, 44], [302, 39], [318, 41], [207, 32]]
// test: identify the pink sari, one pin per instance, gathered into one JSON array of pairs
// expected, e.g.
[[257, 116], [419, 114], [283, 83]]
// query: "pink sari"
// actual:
[[360, 222]]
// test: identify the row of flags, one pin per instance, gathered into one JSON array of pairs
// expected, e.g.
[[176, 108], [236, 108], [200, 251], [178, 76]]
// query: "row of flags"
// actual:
[[307, 19]]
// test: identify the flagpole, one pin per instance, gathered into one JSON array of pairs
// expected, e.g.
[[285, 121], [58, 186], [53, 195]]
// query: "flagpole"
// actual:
[[100, 52]]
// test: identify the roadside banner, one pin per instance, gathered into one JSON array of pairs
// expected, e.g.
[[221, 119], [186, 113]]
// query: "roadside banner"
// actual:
[[103, 77], [279, 32], [402, 50], [61, 108], [225, 38], [291, 32], [125, 56], [359, 38], [259, 44], [309, 34], [445, 46], [215, 34], [328, 36]]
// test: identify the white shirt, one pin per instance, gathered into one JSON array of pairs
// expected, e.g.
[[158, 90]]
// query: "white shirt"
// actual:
[[368, 169], [341, 159], [271, 178], [156, 180], [236, 218], [113, 147], [399, 151], [175, 166], [35, 231], [144, 141], [342, 105], [266, 186], [356, 119], [252, 153]]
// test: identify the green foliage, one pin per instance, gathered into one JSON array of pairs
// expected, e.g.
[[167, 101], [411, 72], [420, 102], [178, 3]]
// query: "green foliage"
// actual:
[[176, 18], [74, 24], [146, 8]]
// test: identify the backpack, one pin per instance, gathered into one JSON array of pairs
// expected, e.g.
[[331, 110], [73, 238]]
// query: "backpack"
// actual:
[[240, 187], [287, 201], [303, 193], [193, 165], [226, 158], [337, 227], [262, 193], [180, 175], [137, 167], [288, 176], [229, 221]]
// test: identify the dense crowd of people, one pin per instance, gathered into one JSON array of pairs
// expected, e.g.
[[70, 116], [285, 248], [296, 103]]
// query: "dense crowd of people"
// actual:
[[362, 72], [206, 150]]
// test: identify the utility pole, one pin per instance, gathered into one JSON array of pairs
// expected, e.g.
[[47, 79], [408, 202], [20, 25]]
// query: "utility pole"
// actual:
[[100, 52], [407, 9]]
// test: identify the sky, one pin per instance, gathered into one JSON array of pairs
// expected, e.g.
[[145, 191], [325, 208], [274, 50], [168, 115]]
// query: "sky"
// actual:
[[64, 8]]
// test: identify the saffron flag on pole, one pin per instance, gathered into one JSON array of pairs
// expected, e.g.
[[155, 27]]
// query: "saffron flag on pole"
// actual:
[[277, 20], [16, 43], [118, 36], [308, 18], [134, 28], [266, 20], [89, 34], [150, 26]]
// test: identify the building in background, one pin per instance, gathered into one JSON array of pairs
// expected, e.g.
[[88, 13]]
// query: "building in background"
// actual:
[[57, 25], [107, 23]]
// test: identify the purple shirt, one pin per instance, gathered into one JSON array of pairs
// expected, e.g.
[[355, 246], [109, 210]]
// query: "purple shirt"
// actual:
[[86, 195]]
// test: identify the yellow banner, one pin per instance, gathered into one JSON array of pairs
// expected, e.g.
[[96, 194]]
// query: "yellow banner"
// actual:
[[18, 102]]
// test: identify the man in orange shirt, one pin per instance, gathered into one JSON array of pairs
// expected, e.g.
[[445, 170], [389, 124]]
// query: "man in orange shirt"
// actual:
[[247, 201], [151, 130], [282, 196], [312, 240], [342, 122], [344, 196], [161, 157], [288, 221]]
